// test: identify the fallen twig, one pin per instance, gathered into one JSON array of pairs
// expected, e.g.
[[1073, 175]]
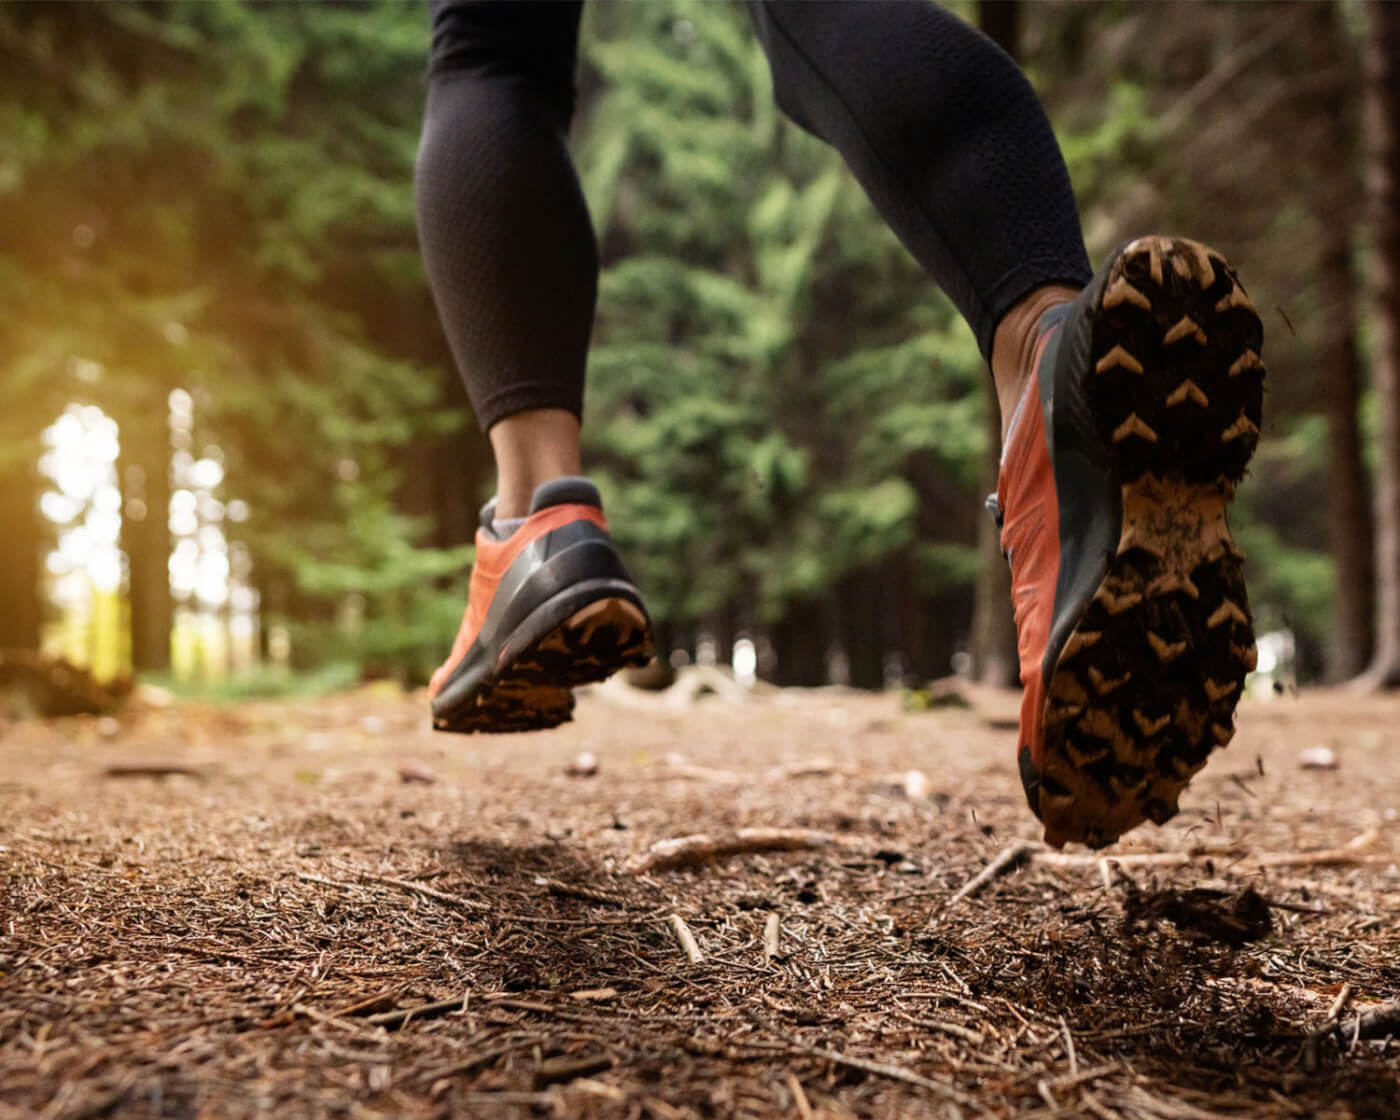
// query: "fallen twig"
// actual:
[[953, 1029], [426, 892], [325, 1017], [701, 847], [1324, 857], [403, 1015], [574, 890], [883, 1069], [402, 884], [308, 877], [1008, 859], [369, 1005], [150, 770], [466, 1065], [1069, 1048], [807, 768], [771, 929], [566, 1069], [1131, 859], [1348, 853], [594, 995], [1080, 1077], [682, 767], [799, 1096], [1339, 1004], [686, 939]]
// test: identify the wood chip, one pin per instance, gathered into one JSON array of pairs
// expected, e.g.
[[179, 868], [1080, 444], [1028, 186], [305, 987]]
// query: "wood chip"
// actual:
[[594, 995], [771, 933], [686, 939]]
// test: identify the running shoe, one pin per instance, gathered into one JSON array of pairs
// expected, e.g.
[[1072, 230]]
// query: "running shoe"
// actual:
[[1133, 623], [550, 607]]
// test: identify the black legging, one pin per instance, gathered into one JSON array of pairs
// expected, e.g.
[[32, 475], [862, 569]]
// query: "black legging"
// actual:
[[937, 123]]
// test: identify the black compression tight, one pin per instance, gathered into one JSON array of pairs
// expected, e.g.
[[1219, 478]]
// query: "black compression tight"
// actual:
[[938, 124]]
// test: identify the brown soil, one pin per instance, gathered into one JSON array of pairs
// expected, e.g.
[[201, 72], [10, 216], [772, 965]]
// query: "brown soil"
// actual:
[[246, 934]]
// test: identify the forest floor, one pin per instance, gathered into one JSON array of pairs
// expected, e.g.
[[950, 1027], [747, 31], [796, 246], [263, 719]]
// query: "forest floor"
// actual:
[[322, 908]]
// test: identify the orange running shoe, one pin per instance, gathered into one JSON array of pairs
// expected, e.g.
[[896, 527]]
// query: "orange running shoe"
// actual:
[[550, 607], [1133, 622]]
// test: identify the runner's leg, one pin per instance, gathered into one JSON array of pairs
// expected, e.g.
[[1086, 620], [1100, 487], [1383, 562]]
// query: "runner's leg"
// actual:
[[505, 233], [1131, 404], [513, 266], [948, 139]]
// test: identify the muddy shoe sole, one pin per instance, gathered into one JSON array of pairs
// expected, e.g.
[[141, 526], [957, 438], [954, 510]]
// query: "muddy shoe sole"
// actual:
[[532, 688], [1146, 684]]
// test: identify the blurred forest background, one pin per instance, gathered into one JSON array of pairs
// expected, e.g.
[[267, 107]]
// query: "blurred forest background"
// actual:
[[233, 447]]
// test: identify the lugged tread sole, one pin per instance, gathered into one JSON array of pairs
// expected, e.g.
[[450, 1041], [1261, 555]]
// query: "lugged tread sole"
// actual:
[[533, 690], [1176, 378], [1147, 682]]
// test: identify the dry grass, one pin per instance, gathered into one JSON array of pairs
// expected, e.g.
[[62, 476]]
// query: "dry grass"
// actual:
[[293, 928]]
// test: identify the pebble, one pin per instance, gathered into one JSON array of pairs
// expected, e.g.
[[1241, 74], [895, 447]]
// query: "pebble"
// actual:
[[1317, 758], [415, 771], [585, 765]]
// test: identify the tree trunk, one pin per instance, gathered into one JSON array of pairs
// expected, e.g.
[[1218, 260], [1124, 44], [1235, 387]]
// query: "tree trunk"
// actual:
[[1335, 198], [20, 597], [800, 639], [1382, 163], [1353, 536], [993, 638], [459, 465], [146, 541]]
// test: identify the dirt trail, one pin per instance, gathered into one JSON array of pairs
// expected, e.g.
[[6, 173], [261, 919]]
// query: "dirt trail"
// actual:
[[289, 925]]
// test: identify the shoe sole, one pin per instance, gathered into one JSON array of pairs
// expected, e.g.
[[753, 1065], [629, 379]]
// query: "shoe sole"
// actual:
[[1146, 685], [531, 692]]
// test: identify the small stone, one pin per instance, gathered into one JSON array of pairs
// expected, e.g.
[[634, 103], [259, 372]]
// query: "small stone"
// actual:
[[585, 765], [108, 727], [372, 725], [1317, 758], [415, 771], [915, 785]]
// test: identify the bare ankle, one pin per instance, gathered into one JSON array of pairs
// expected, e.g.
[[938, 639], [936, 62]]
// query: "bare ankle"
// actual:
[[532, 448], [1014, 345]]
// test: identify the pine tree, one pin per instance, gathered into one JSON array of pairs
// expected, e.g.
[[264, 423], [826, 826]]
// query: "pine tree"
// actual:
[[1382, 67]]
